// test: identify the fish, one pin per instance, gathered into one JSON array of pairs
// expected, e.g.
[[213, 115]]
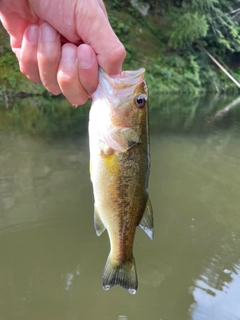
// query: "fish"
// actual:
[[119, 170]]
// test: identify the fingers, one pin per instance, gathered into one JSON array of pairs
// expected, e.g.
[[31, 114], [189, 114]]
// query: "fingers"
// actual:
[[40, 55], [28, 53], [48, 57], [67, 69], [77, 73], [87, 68]]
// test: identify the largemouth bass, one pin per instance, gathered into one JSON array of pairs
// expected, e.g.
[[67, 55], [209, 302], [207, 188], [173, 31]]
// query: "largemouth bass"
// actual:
[[119, 168]]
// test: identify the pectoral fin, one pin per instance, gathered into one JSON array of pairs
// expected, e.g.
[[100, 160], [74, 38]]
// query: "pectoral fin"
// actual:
[[98, 224], [146, 224], [120, 139]]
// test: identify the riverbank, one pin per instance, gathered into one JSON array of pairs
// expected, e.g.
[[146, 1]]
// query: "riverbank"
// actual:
[[146, 40]]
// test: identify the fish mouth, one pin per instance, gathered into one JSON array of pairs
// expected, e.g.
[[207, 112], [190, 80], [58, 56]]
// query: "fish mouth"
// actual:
[[126, 79]]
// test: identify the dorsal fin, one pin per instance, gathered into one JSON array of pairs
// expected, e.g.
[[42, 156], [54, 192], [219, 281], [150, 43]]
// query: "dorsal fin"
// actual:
[[146, 224]]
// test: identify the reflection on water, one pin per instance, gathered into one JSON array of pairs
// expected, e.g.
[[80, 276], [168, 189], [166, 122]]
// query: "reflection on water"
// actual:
[[52, 261], [216, 303]]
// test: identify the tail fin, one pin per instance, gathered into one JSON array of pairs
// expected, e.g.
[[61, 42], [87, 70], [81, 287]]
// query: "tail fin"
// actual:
[[125, 275]]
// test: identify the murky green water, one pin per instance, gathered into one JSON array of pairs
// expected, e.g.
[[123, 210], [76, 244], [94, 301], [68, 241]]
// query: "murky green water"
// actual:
[[51, 260]]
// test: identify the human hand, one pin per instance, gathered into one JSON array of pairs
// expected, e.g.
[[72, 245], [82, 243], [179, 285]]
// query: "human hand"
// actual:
[[62, 42]]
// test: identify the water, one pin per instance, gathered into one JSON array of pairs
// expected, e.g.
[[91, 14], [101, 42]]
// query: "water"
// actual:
[[51, 259]]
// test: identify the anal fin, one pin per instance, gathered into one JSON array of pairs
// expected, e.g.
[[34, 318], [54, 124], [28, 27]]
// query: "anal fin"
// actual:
[[146, 224], [98, 224]]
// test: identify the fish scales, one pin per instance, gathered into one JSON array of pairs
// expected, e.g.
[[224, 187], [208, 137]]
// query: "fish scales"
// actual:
[[119, 167]]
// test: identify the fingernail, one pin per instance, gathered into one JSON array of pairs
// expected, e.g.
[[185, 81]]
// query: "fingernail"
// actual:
[[68, 54], [32, 34], [85, 60], [48, 33]]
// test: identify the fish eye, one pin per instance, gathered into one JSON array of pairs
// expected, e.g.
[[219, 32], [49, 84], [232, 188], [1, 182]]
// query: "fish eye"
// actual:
[[140, 100]]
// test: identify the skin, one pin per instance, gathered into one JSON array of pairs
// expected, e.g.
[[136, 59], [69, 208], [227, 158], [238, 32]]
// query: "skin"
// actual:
[[62, 43]]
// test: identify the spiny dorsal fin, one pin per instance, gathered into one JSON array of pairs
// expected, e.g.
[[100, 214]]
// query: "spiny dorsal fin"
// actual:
[[146, 224], [98, 224], [124, 274]]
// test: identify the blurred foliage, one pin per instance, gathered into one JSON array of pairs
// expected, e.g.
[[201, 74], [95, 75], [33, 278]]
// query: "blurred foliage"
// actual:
[[176, 31], [12, 82], [186, 26], [167, 41]]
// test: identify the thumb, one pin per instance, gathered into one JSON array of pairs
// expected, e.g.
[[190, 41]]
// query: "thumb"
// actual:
[[96, 31], [111, 56]]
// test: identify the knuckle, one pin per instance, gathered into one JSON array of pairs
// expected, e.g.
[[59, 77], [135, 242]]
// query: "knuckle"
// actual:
[[118, 54]]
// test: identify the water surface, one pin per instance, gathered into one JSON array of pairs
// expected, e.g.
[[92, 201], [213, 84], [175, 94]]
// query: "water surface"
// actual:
[[51, 259]]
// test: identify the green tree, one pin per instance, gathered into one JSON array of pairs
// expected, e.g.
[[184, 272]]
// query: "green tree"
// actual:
[[213, 23]]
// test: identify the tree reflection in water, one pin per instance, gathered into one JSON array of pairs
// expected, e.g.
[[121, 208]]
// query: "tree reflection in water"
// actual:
[[51, 261]]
